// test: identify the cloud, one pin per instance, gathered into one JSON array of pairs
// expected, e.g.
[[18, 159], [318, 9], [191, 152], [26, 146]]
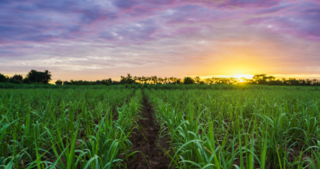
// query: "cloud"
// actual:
[[100, 35]]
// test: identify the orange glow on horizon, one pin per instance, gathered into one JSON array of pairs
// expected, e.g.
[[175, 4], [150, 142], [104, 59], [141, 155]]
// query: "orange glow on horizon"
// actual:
[[238, 76]]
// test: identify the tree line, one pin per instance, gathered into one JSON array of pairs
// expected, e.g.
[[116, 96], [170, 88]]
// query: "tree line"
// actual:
[[32, 77], [264, 79], [44, 77]]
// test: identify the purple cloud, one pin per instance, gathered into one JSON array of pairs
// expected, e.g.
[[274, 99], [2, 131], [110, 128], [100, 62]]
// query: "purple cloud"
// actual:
[[76, 30]]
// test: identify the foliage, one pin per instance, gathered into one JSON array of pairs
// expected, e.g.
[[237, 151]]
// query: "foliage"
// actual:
[[26, 81], [71, 128], [207, 126], [127, 80], [37, 76], [261, 79], [58, 82], [3, 78], [188, 80], [253, 128], [197, 79], [221, 80], [17, 78]]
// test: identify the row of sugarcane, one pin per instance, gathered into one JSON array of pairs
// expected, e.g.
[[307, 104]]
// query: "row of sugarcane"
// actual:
[[239, 128], [72, 128]]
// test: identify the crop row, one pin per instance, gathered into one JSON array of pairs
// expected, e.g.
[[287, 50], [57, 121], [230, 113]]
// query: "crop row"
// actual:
[[240, 128], [67, 128]]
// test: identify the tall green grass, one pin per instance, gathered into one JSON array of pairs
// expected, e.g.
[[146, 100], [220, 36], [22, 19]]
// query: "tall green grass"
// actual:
[[207, 126], [71, 128], [240, 128]]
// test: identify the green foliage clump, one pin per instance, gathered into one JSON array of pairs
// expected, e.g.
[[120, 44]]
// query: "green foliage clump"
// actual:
[[58, 82], [37, 76], [3, 78], [188, 80]]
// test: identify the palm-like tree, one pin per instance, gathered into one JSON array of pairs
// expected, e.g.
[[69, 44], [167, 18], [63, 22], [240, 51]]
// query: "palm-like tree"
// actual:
[[165, 80], [160, 79], [171, 79], [143, 79]]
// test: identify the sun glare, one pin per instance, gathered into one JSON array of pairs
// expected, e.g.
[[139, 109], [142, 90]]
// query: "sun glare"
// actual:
[[238, 76], [242, 75]]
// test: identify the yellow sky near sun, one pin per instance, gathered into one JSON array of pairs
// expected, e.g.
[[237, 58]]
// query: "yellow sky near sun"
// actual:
[[223, 60], [231, 59]]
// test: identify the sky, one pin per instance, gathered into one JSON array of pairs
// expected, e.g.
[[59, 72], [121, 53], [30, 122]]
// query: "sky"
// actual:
[[99, 39]]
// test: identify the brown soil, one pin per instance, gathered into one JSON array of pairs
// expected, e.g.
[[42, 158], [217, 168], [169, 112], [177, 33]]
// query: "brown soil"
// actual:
[[146, 141]]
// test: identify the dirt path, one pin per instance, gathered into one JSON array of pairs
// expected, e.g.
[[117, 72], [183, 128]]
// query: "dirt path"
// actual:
[[148, 143]]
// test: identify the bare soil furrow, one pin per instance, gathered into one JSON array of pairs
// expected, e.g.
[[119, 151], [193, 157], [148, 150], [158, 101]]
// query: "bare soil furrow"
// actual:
[[146, 140]]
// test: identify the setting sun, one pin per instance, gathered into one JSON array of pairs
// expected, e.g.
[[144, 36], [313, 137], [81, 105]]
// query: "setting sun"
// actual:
[[238, 76], [244, 75]]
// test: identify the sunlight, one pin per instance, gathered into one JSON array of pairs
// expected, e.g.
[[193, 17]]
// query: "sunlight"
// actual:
[[242, 75], [238, 76]]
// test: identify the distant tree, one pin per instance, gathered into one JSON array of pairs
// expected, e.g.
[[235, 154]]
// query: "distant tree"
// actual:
[[148, 79], [26, 80], [314, 82], [143, 79], [3, 78], [245, 80], [308, 82], [135, 78], [58, 82], [160, 80], [271, 78], [275, 82], [177, 81], [106, 81], [46, 77], [16, 79], [66, 83], [173, 80], [154, 79], [127, 80], [260, 78], [36, 76], [188, 80], [197, 79], [165, 80], [208, 81]]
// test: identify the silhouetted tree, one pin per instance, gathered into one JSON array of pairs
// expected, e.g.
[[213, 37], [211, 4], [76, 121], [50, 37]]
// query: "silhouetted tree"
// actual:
[[197, 79], [154, 79], [16, 79], [58, 82], [177, 81], [127, 80], [188, 80], [260, 78], [160, 80], [26, 80], [106, 81], [3, 78], [143, 79], [36, 76]]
